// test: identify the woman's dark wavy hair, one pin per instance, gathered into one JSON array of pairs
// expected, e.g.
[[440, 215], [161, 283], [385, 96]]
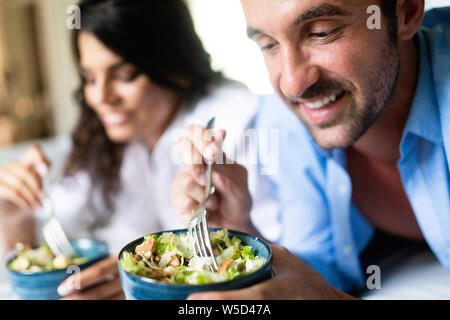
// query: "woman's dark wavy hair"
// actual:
[[158, 37]]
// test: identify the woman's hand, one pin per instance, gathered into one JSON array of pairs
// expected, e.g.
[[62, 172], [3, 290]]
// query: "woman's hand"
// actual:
[[98, 282], [20, 182], [20, 194], [231, 203], [293, 279]]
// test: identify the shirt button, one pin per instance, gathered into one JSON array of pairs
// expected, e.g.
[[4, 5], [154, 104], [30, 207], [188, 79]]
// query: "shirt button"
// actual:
[[343, 190], [348, 250]]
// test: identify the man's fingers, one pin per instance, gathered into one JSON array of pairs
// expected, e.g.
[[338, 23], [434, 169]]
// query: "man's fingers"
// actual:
[[119, 296], [90, 276], [186, 205], [266, 290], [226, 177], [190, 156], [179, 193], [185, 210], [199, 136], [186, 182], [205, 141], [103, 291], [213, 203], [187, 194], [197, 145], [197, 192], [251, 293], [293, 279]]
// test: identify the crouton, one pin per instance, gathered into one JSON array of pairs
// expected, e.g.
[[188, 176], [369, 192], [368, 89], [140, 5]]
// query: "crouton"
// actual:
[[174, 261], [225, 265], [61, 262], [158, 274], [146, 247]]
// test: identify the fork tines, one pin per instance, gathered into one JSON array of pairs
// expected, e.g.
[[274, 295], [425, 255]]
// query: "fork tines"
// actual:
[[202, 244], [56, 238]]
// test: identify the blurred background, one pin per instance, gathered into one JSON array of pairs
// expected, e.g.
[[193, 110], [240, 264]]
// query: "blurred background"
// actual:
[[37, 75]]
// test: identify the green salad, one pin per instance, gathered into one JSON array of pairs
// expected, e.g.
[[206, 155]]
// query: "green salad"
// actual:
[[170, 258], [41, 259]]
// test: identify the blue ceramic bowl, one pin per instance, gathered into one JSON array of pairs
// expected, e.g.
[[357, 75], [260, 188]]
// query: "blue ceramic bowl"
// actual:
[[141, 288], [43, 285]]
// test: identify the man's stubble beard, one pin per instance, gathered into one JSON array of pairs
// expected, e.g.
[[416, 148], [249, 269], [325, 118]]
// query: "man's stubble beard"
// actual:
[[378, 90]]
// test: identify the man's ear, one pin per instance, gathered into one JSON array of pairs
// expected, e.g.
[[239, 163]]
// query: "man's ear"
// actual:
[[409, 17]]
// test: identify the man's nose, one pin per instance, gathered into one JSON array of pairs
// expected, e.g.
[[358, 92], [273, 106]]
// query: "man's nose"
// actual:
[[297, 74]]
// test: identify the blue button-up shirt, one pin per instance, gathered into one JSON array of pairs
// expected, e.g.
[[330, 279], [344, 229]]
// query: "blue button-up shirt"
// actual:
[[320, 222]]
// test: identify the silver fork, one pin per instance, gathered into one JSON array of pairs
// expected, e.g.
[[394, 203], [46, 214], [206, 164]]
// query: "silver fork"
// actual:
[[53, 232], [198, 226]]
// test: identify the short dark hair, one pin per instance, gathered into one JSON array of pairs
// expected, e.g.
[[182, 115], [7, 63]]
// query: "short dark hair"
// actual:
[[389, 9]]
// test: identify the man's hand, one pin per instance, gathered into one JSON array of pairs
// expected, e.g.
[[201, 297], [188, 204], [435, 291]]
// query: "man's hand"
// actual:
[[230, 205], [293, 280], [98, 282]]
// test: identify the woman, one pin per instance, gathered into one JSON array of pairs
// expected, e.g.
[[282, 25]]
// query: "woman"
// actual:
[[144, 73]]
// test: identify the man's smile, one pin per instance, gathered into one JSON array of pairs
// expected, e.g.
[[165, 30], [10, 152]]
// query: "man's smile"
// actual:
[[324, 110], [322, 102]]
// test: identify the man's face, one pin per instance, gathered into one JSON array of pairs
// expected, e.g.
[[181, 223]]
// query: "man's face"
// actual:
[[333, 72]]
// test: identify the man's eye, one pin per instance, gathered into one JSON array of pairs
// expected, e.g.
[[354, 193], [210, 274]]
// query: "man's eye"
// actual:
[[322, 35], [268, 47]]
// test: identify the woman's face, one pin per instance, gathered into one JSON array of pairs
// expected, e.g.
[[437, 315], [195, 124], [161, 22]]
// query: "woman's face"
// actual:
[[126, 101]]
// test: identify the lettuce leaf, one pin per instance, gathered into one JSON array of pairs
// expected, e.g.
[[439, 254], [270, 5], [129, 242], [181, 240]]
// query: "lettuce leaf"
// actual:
[[246, 253], [129, 264]]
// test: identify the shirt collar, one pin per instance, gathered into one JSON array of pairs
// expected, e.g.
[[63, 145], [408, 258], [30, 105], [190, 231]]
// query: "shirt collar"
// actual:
[[423, 120]]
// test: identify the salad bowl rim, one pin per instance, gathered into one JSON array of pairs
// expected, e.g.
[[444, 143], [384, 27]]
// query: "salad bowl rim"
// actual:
[[186, 285]]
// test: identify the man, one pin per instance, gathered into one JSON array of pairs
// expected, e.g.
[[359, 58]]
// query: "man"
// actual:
[[371, 156]]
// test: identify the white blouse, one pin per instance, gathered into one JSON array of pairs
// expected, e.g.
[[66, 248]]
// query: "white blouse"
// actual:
[[143, 203]]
